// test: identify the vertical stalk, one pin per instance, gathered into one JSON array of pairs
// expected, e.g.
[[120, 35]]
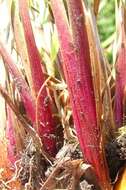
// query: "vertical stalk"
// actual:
[[46, 126], [10, 135], [77, 67], [120, 95]]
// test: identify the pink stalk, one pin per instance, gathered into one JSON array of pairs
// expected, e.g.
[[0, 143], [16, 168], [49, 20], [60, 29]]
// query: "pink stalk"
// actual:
[[77, 68], [20, 83], [121, 78], [46, 127], [10, 134]]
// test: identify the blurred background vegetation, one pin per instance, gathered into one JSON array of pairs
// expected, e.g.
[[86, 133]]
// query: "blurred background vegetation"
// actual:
[[106, 25], [106, 19]]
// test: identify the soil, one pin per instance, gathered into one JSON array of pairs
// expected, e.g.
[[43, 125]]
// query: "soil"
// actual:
[[67, 171], [32, 166], [116, 155]]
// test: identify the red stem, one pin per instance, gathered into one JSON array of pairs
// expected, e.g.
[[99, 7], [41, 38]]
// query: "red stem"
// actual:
[[46, 127], [20, 83], [77, 68], [121, 77], [10, 135]]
